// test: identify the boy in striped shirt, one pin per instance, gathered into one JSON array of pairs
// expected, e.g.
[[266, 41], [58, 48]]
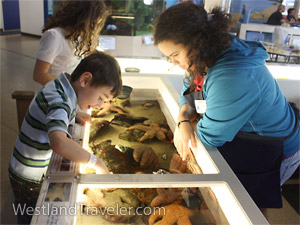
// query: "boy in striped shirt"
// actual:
[[45, 127]]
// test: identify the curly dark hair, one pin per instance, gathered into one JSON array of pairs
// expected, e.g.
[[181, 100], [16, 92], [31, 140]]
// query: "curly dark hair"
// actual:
[[205, 39], [83, 19]]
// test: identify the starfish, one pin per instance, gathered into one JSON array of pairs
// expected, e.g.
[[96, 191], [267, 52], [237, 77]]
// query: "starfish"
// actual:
[[172, 214], [108, 107], [98, 200], [166, 196], [56, 192], [177, 165], [154, 130]]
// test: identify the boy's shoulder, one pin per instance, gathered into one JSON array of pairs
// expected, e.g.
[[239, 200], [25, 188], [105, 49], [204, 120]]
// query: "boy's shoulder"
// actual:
[[59, 90], [55, 101]]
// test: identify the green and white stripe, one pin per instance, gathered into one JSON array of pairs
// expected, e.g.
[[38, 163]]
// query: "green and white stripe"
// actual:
[[52, 109]]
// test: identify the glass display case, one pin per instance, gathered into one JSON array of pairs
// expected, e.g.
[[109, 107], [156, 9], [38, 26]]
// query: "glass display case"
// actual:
[[132, 17], [128, 17], [210, 194]]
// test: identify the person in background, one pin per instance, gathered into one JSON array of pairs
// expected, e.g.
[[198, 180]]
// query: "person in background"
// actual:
[[68, 36], [229, 99], [95, 80], [291, 17], [276, 18]]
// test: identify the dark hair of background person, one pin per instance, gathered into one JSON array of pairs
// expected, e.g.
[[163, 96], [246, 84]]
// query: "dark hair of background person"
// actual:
[[104, 69], [188, 24], [290, 10], [83, 19]]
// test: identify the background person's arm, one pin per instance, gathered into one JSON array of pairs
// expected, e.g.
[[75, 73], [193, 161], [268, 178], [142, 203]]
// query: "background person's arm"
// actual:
[[40, 73]]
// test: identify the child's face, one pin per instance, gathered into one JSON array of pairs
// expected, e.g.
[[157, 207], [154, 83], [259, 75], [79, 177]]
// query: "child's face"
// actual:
[[93, 97]]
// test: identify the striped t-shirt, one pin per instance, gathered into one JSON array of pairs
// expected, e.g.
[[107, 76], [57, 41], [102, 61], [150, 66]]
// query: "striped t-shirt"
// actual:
[[53, 108]]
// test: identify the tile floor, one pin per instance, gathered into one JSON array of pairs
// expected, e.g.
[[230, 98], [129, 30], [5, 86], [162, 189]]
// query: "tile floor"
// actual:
[[18, 54]]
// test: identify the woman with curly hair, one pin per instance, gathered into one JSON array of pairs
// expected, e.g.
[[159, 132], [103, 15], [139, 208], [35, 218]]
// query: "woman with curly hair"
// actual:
[[69, 35], [242, 110]]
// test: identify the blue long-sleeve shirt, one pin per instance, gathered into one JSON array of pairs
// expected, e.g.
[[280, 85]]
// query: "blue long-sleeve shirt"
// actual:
[[242, 95]]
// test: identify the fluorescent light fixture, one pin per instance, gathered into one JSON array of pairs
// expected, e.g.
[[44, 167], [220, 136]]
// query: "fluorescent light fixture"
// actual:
[[123, 17], [148, 2]]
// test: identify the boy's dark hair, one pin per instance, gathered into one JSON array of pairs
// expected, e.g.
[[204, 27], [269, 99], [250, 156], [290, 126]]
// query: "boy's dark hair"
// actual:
[[204, 37], [104, 68]]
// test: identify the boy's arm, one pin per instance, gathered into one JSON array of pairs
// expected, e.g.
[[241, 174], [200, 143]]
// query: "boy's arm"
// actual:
[[69, 149]]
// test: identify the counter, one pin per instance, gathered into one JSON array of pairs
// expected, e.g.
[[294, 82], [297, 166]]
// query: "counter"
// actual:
[[264, 28]]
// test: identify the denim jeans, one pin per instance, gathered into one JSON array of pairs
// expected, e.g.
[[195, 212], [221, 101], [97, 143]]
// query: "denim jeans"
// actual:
[[26, 194]]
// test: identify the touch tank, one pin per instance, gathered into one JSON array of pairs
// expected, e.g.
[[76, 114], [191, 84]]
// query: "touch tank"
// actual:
[[202, 191]]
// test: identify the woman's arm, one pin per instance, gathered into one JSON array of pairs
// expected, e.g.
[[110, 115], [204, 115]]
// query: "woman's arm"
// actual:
[[186, 113], [40, 73], [184, 132]]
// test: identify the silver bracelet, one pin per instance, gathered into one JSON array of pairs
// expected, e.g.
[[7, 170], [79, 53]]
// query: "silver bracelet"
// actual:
[[92, 161]]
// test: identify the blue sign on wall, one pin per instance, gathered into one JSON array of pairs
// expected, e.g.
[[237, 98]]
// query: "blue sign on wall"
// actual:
[[253, 5], [246, 8]]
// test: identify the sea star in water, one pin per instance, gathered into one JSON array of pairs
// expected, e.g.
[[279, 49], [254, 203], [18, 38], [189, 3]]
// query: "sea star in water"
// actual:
[[154, 130], [172, 214]]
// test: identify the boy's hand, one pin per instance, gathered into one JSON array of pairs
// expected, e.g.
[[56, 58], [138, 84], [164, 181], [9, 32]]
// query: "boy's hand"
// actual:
[[69, 149], [101, 167], [82, 118]]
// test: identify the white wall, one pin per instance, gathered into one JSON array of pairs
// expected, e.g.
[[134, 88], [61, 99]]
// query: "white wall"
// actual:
[[210, 4], [132, 46], [31, 16], [224, 4], [1, 17], [291, 90]]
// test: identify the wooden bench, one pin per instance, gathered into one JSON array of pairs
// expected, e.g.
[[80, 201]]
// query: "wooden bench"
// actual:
[[23, 100]]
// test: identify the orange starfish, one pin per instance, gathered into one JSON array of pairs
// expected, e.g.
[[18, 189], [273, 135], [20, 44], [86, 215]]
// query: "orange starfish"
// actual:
[[154, 130], [177, 165], [172, 214], [108, 107], [166, 196]]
